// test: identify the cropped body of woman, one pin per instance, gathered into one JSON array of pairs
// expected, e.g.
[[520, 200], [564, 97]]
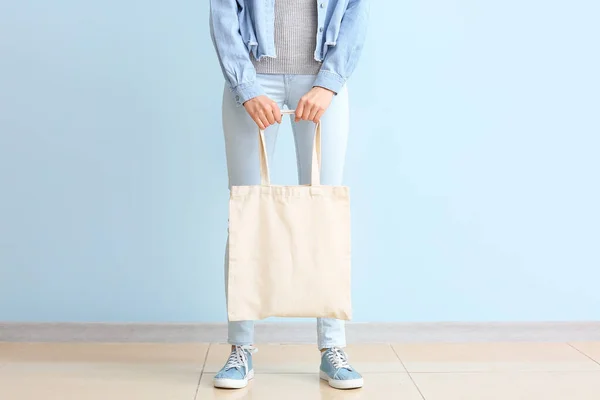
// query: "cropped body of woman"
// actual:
[[296, 54]]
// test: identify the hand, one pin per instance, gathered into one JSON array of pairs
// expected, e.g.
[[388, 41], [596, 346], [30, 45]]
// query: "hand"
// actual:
[[313, 104], [264, 111]]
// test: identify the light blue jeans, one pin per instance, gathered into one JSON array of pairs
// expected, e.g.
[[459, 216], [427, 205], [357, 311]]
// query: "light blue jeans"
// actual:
[[241, 146]]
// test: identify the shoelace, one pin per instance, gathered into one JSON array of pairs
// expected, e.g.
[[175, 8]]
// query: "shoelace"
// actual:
[[338, 358], [239, 358]]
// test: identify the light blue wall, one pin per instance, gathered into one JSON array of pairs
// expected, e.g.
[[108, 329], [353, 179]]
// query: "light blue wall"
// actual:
[[473, 161]]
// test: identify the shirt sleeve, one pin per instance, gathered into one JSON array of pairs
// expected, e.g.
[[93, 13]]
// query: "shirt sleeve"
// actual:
[[232, 53], [341, 59]]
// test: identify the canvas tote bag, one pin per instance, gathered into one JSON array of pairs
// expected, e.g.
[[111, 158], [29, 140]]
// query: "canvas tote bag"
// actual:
[[289, 247]]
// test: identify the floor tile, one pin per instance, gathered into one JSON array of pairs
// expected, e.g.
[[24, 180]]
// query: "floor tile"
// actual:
[[372, 358], [135, 353], [385, 386], [566, 385], [276, 358], [102, 381], [591, 349], [467, 357]]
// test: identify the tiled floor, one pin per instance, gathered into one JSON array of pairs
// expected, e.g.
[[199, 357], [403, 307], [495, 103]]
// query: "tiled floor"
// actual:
[[435, 371]]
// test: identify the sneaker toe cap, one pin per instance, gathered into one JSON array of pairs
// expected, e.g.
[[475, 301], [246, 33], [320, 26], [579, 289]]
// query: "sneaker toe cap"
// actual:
[[346, 374], [230, 374]]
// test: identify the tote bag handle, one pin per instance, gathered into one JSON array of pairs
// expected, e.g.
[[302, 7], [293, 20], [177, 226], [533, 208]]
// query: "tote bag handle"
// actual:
[[315, 174]]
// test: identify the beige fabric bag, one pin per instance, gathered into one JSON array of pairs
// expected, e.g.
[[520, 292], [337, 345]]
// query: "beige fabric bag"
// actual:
[[289, 247]]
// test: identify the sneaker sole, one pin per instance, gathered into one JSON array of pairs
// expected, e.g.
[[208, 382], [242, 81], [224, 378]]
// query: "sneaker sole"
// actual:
[[342, 384], [233, 383]]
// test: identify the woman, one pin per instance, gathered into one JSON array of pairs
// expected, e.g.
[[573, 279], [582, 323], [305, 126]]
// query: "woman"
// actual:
[[296, 54]]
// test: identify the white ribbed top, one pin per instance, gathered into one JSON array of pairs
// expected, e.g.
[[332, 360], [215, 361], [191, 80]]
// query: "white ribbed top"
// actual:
[[296, 24]]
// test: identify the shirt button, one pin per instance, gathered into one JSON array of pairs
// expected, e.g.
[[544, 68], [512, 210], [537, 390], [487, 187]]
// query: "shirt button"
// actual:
[[237, 98], [322, 5], [321, 29]]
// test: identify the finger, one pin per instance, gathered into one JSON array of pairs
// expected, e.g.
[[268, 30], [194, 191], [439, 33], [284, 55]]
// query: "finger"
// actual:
[[300, 109], [269, 115], [306, 113], [277, 113], [318, 116], [258, 122], [313, 113], [264, 120]]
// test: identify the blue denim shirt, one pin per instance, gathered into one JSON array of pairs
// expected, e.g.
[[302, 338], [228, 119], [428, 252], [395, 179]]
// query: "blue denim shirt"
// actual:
[[243, 27]]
